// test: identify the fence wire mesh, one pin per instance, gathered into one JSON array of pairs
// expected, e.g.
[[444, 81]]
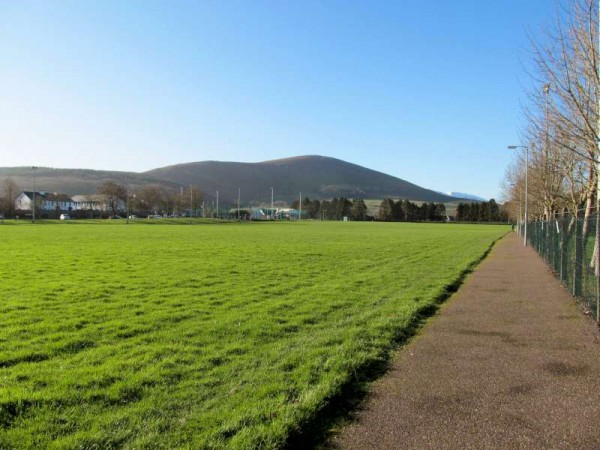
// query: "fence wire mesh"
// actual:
[[567, 244]]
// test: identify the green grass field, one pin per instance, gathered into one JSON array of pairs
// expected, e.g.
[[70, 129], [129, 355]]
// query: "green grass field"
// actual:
[[205, 336]]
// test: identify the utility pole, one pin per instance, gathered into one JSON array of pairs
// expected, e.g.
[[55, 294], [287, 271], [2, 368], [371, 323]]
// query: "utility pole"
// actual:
[[217, 204], [300, 211], [239, 194], [181, 200]]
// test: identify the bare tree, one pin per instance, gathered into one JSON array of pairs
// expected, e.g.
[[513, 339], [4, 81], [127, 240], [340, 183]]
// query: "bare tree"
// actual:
[[114, 195], [10, 191]]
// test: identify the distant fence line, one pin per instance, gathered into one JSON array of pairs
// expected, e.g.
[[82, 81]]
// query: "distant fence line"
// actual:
[[567, 244]]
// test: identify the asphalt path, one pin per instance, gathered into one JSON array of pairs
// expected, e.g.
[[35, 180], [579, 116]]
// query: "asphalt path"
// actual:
[[510, 361]]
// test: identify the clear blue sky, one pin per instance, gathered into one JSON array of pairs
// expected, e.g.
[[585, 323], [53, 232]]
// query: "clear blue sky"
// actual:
[[428, 91]]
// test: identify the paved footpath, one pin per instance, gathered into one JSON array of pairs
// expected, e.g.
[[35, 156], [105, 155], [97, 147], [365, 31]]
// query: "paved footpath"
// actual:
[[510, 361]]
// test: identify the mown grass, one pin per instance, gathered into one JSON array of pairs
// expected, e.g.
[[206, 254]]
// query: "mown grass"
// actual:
[[204, 336]]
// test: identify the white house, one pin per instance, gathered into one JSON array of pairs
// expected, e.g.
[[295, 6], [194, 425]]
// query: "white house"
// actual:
[[91, 202], [46, 201]]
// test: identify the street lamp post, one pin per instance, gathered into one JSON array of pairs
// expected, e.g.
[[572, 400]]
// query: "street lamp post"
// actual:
[[514, 147]]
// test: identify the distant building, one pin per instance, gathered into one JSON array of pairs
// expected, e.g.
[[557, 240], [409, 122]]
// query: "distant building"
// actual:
[[90, 202], [46, 201], [258, 214], [290, 214]]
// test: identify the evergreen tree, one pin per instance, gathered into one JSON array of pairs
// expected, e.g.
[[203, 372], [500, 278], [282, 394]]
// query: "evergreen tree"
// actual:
[[399, 214], [386, 210], [494, 210], [359, 209]]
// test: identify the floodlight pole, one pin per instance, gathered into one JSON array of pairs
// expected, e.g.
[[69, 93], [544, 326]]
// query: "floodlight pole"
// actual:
[[217, 204], [300, 210], [33, 194], [271, 203], [239, 194], [191, 202], [514, 147], [181, 200], [127, 196]]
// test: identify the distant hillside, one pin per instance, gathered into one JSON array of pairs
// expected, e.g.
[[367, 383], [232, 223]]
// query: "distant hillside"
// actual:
[[75, 181], [315, 176]]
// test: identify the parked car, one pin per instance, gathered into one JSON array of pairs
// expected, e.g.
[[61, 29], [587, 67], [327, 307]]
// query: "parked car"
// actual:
[[154, 216], [132, 217], [65, 217]]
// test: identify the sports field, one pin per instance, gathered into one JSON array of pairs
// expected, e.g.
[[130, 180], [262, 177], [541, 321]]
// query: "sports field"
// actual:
[[206, 336]]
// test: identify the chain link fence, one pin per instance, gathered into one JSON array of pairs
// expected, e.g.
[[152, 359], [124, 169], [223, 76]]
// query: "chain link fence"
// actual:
[[567, 244]]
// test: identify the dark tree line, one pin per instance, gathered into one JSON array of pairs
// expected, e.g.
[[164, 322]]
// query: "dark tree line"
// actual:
[[334, 209], [406, 211], [480, 212]]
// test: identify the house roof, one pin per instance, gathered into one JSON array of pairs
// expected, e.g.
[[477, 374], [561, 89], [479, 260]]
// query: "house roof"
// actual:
[[48, 196], [56, 197], [88, 198]]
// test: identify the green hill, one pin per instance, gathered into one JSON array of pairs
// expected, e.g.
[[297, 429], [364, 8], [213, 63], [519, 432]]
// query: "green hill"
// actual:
[[315, 176]]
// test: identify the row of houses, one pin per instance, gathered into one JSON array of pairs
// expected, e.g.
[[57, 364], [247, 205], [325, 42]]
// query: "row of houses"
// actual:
[[53, 201], [60, 203]]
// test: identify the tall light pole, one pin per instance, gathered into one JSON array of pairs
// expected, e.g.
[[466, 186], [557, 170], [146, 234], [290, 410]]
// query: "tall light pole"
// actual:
[[514, 147], [217, 204], [271, 215], [191, 202], [239, 194], [33, 194], [300, 210], [127, 196], [546, 89], [181, 200]]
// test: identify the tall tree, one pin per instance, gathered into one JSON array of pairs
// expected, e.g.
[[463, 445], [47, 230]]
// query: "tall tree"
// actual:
[[10, 191], [114, 195], [359, 209], [386, 210]]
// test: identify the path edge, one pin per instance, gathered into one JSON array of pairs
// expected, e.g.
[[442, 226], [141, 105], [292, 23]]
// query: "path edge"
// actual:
[[339, 410]]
